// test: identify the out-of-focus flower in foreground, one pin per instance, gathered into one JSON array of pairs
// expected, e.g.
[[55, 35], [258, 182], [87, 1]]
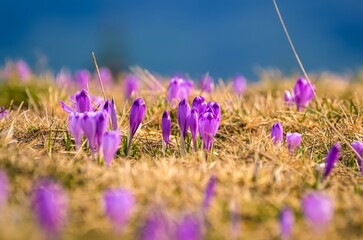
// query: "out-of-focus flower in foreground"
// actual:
[[157, 226], [131, 86], [50, 205], [189, 228], [303, 93], [4, 188], [287, 220], [209, 193], [110, 143], [331, 159], [119, 204], [358, 147], [318, 210], [239, 84], [277, 133], [137, 114], [293, 141], [206, 83]]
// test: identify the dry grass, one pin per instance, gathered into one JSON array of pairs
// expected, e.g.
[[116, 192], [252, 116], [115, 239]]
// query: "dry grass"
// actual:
[[255, 178]]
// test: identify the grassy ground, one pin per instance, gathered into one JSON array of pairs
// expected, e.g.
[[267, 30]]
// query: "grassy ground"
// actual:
[[255, 179]]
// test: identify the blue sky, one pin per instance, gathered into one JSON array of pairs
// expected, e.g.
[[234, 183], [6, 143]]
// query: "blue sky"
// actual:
[[193, 36]]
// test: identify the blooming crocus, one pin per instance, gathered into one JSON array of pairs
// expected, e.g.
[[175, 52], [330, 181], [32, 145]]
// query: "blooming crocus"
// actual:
[[22, 70], [113, 115], [277, 133], [166, 126], [183, 118], [83, 101], [131, 86], [332, 157], [239, 84], [358, 147], [3, 112], [82, 78], [200, 104], [50, 204], [293, 141], [189, 228], [303, 93], [74, 128], [178, 89], [193, 124], [206, 83], [287, 220], [4, 188], [318, 210], [209, 193], [137, 114], [208, 124], [119, 204], [89, 125], [110, 143]]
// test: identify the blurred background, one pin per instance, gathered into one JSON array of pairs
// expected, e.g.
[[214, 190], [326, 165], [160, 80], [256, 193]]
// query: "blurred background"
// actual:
[[193, 36]]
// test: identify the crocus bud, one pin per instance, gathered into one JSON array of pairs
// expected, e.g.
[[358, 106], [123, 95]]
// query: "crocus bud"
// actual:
[[119, 204], [209, 193], [358, 147], [113, 115], [137, 114], [208, 124], [293, 141], [214, 106], [206, 83], [74, 128], [287, 220], [101, 119], [239, 84], [189, 229], [4, 188], [303, 93], [89, 125], [193, 124], [166, 127], [289, 98], [200, 104], [83, 102], [183, 117], [318, 210], [131, 86], [332, 157], [50, 204], [110, 143], [277, 133], [82, 78]]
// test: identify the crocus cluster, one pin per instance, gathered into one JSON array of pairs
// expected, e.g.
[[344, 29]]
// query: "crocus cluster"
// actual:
[[303, 93], [206, 83], [179, 89], [131, 86]]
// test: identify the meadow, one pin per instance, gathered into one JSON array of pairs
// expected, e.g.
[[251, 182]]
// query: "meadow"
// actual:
[[255, 178]]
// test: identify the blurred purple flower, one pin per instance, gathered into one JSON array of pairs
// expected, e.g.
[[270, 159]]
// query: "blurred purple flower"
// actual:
[[189, 229], [74, 128], [4, 188], [293, 141], [137, 114], [166, 127], [318, 210], [50, 204], [277, 133], [200, 104], [113, 115], [119, 204], [209, 193], [289, 98], [193, 124], [63, 78], [358, 147], [183, 117], [82, 78], [303, 93], [239, 84], [332, 157], [157, 227], [287, 220], [208, 124], [23, 70], [131, 86], [206, 83], [178, 89], [106, 76], [110, 143], [3, 112]]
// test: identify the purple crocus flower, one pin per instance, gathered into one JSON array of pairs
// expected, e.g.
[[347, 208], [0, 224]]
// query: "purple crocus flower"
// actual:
[[200, 104], [189, 228], [277, 133], [293, 141], [137, 114], [119, 204], [208, 124], [214, 106], [88, 125], [101, 119], [157, 226], [318, 210], [50, 204], [4, 188], [287, 220], [178, 89], [74, 128], [110, 143], [358, 147], [289, 98], [113, 115], [183, 117], [193, 124], [3, 112], [239, 84], [303, 93], [131, 86], [83, 101], [166, 127], [106, 76], [332, 157], [82, 78], [206, 83], [23, 70], [209, 193]]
